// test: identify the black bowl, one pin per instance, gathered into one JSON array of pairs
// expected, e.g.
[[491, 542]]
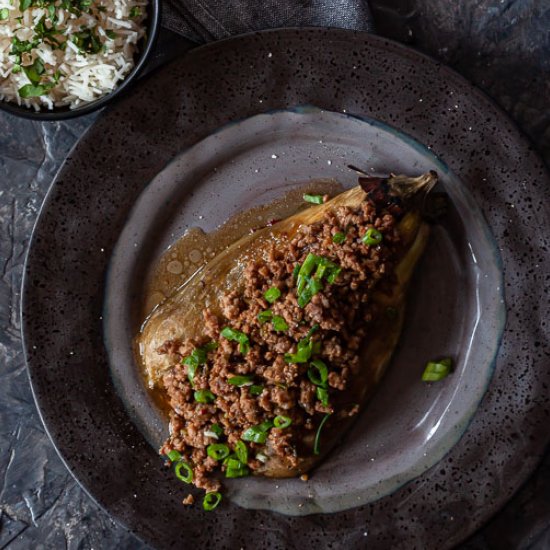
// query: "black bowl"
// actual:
[[63, 113]]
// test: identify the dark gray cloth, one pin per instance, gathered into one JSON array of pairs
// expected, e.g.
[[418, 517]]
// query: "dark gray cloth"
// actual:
[[207, 20]]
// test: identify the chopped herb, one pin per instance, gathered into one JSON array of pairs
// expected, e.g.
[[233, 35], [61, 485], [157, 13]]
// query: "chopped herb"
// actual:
[[314, 199], [295, 271], [35, 71], [235, 468], [272, 294], [307, 285], [217, 451], [241, 451], [338, 238], [51, 12], [318, 372], [204, 396], [211, 501], [24, 4], [437, 370], [322, 395], [264, 316], [211, 346], [372, 237], [257, 434], [256, 390], [279, 324], [87, 41], [187, 475], [173, 455], [237, 336], [30, 90], [282, 422], [317, 443], [312, 330], [193, 361], [217, 429], [111, 35], [241, 381], [306, 348], [135, 11], [16, 69], [4, 14]]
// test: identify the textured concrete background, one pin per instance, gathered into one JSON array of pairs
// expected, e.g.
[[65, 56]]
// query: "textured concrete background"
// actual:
[[503, 46]]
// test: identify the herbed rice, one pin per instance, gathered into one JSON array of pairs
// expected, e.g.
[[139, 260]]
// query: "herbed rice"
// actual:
[[78, 50]]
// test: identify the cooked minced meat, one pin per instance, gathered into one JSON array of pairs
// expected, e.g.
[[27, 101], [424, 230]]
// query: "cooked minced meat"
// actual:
[[247, 370]]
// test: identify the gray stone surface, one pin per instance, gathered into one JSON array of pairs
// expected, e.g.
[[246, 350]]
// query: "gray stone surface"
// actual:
[[503, 46]]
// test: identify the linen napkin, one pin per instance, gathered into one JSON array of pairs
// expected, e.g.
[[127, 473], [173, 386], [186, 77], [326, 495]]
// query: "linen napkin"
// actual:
[[207, 20]]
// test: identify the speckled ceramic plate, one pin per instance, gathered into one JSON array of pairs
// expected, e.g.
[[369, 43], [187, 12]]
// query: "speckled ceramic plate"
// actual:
[[490, 166]]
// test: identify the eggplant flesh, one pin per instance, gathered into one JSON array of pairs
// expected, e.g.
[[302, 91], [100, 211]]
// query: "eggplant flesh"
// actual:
[[180, 317]]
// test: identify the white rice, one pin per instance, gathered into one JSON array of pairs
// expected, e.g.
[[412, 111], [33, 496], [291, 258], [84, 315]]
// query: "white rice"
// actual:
[[84, 77]]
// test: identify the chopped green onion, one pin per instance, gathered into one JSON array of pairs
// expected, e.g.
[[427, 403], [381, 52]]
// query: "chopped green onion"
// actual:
[[295, 271], [235, 468], [241, 451], [338, 237], [322, 395], [187, 475], [51, 12], [265, 426], [111, 35], [197, 357], [241, 381], [217, 451], [282, 421], [173, 455], [204, 396], [257, 434], [4, 14], [306, 269], [333, 275], [16, 68], [30, 90], [237, 336], [256, 390], [317, 443], [314, 199], [211, 346], [279, 324], [437, 370], [313, 329], [135, 11], [265, 316], [24, 4], [217, 429], [372, 236], [211, 501], [318, 372], [272, 294], [306, 348]]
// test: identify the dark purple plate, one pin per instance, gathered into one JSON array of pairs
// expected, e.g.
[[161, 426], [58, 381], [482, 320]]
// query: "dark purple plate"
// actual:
[[87, 209]]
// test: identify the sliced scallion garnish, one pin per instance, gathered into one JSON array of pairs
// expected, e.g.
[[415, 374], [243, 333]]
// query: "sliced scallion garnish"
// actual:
[[217, 429], [317, 443], [237, 336], [173, 455], [235, 468], [437, 370], [241, 380], [211, 501], [279, 324], [256, 389], [314, 199], [241, 451], [282, 421], [318, 372], [272, 294], [4, 14], [322, 395], [265, 316], [204, 396], [186, 475], [217, 451], [257, 434], [338, 237], [372, 237]]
